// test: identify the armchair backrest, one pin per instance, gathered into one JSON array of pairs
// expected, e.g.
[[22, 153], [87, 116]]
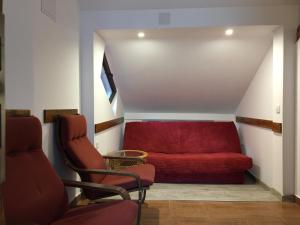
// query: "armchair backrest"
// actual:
[[32, 191], [73, 141]]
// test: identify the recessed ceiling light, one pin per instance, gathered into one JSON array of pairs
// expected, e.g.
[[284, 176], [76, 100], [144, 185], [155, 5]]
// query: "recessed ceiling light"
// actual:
[[229, 32], [141, 34]]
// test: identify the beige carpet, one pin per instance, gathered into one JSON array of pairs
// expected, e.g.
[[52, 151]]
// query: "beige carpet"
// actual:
[[202, 192], [251, 191]]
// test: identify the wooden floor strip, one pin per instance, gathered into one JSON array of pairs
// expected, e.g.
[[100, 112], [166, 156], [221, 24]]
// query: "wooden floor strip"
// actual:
[[219, 213], [156, 212]]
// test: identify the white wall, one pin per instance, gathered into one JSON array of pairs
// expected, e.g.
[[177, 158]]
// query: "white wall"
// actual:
[[256, 101], [178, 116], [264, 94], [42, 64], [151, 79], [284, 15], [111, 139]]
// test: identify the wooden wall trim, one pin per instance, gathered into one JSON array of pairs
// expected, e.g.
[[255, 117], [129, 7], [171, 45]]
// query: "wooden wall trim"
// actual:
[[11, 113], [268, 124], [17, 112], [51, 114], [99, 127], [277, 127]]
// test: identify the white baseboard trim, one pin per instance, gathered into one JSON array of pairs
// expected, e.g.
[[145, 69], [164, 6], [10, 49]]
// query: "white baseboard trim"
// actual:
[[297, 199], [275, 192]]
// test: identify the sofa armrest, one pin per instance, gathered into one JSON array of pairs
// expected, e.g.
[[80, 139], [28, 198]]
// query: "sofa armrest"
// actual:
[[114, 173]]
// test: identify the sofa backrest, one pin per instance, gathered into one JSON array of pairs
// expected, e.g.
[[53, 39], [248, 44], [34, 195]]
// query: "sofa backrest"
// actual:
[[182, 137]]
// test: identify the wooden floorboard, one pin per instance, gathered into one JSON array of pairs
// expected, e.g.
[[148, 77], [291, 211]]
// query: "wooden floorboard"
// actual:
[[219, 213]]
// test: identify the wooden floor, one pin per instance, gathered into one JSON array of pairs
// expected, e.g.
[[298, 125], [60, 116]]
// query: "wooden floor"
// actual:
[[219, 213]]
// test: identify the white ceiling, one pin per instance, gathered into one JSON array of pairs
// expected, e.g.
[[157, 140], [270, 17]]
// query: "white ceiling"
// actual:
[[186, 69], [172, 4]]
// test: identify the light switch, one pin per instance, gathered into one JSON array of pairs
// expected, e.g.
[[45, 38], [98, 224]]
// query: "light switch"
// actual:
[[277, 109]]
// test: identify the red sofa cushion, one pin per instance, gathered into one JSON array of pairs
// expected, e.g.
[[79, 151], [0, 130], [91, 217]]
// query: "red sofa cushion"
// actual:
[[182, 137], [114, 213], [200, 163], [200, 168]]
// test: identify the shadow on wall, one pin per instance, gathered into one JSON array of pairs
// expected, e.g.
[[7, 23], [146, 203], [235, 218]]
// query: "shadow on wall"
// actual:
[[255, 170], [243, 148], [56, 159]]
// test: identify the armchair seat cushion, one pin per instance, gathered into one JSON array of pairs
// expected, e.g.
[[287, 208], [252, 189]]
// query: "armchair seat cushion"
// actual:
[[145, 171], [101, 214]]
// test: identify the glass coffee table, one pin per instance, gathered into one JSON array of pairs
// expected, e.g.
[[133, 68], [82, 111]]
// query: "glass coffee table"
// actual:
[[124, 158]]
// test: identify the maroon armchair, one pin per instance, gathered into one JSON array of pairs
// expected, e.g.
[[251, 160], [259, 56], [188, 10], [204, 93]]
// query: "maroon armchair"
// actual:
[[33, 194], [81, 156]]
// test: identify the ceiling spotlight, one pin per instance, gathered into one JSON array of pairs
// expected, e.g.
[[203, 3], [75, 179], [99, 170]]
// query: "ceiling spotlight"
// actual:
[[229, 32], [141, 34]]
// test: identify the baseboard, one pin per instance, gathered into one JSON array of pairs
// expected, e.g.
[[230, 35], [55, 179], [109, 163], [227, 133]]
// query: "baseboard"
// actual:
[[276, 193], [283, 198], [289, 198], [248, 173], [297, 199]]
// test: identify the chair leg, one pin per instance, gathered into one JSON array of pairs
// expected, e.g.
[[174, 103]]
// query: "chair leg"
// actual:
[[144, 196], [138, 219], [140, 202]]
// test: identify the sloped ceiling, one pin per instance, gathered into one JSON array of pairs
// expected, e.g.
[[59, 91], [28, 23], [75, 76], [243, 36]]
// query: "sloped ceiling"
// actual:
[[172, 4], [185, 70]]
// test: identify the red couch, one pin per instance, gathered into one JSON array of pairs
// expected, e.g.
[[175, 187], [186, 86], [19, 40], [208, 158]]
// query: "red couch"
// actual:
[[190, 152]]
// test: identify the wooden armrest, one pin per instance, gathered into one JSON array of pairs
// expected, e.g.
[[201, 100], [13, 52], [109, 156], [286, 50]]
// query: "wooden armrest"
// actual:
[[125, 158], [111, 172], [101, 187]]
